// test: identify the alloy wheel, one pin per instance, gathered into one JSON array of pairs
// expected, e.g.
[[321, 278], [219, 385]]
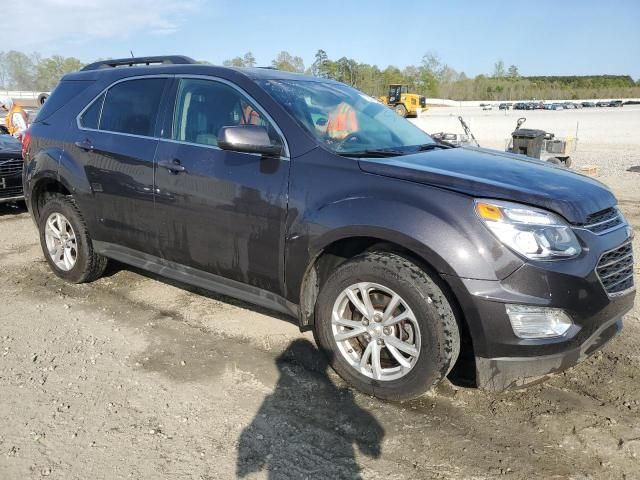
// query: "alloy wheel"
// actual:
[[376, 331], [61, 241]]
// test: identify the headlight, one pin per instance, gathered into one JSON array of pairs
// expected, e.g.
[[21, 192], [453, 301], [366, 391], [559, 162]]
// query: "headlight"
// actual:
[[532, 232]]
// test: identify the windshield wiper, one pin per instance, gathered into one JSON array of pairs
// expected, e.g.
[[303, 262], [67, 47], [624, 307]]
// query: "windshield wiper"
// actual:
[[373, 153], [432, 146]]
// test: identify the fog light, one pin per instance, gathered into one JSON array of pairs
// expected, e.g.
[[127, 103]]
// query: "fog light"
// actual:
[[538, 322]]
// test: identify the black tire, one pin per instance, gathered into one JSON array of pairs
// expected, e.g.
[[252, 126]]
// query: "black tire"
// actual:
[[42, 98], [437, 323], [566, 161], [554, 161], [89, 265], [401, 110]]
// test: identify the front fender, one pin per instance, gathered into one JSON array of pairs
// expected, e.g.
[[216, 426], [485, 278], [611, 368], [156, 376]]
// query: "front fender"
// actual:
[[443, 231]]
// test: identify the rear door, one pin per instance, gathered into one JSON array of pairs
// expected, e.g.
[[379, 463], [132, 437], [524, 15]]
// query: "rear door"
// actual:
[[117, 139], [220, 211]]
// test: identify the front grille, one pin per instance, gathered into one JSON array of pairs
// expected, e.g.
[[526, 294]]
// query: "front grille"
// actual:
[[10, 192], [603, 220], [10, 167], [615, 269]]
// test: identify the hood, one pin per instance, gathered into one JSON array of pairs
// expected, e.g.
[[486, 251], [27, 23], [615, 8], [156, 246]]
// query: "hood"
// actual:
[[485, 173], [10, 146]]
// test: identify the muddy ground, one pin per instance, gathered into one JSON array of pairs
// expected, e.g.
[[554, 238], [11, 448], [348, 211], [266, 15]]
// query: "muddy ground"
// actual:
[[135, 376]]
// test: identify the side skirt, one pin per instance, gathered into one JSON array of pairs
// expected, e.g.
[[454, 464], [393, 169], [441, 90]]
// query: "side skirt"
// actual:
[[198, 278]]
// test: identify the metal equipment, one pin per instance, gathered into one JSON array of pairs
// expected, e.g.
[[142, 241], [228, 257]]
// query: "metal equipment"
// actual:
[[540, 144], [457, 139]]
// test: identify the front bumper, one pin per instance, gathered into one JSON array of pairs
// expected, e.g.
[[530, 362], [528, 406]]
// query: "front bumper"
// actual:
[[506, 373], [502, 359]]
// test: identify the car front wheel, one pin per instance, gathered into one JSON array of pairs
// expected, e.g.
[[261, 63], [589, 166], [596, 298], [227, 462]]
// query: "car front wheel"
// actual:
[[386, 326]]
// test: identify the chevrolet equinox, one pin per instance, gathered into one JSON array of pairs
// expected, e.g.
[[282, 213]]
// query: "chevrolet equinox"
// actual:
[[407, 258]]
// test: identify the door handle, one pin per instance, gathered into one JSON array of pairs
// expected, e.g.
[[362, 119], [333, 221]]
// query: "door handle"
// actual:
[[85, 145], [173, 166]]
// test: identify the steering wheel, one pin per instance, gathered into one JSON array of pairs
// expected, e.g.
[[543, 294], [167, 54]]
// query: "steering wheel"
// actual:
[[354, 136]]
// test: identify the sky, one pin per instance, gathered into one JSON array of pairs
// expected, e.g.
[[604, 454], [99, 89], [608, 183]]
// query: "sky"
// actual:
[[562, 37]]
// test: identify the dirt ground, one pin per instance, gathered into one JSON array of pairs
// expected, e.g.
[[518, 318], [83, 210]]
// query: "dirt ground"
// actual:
[[135, 376]]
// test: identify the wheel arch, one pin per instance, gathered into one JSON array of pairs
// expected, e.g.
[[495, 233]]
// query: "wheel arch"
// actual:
[[43, 188], [344, 248]]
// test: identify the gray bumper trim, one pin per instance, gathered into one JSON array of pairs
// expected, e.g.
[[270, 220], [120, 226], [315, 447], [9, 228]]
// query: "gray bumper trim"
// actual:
[[505, 373]]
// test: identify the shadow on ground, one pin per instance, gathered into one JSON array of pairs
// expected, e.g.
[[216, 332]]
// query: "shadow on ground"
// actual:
[[308, 427]]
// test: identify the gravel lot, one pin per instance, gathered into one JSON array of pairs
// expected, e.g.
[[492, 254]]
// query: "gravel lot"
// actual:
[[135, 376]]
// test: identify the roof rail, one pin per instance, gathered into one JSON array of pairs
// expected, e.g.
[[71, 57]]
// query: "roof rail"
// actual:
[[130, 62]]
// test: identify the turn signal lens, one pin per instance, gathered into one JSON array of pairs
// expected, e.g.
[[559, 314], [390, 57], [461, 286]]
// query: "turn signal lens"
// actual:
[[488, 212]]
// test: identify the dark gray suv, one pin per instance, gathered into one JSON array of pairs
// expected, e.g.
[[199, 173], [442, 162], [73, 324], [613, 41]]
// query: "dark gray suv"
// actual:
[[409, 259]]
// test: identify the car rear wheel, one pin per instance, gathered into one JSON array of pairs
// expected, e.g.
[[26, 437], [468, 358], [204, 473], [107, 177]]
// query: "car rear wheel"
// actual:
[[386, 326], [66, 244]]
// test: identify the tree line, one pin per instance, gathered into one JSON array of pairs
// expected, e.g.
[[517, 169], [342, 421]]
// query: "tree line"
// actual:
[[436, 79], [431, 77]]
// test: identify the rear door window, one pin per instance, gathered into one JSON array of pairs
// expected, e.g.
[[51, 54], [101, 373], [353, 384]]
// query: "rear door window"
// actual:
[[132, 106]]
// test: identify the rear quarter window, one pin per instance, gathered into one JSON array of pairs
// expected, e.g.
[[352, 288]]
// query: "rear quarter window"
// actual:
[[66, 91]]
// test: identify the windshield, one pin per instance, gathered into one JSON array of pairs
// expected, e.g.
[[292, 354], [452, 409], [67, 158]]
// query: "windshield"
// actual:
[[344, 119]]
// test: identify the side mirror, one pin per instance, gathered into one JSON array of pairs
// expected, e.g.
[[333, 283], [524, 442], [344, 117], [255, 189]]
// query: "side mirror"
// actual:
[[248, 139]]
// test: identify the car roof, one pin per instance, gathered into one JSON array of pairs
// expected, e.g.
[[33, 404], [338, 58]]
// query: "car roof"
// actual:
[[255, 73]]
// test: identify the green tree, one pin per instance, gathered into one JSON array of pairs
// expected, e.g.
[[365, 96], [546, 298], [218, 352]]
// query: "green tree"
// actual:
[[50, 70], [20, 70], [249, 60], [498, 69], [513, 72], [285, 61], [320, 66]]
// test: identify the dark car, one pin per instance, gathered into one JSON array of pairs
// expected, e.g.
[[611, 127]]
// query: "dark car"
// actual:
[[588, 104], [407, 258], [603, 104], [503, 106], [10, 168]]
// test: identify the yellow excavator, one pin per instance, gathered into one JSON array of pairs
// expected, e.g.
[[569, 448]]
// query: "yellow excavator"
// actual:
[[404, 103]]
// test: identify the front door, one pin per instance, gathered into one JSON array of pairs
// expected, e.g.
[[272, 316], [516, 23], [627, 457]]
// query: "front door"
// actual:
[[220, 211]]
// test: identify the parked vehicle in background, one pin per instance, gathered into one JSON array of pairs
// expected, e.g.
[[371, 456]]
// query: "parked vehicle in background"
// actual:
[[616, 103], [503, 106], [407, 258], [10, 168], [569, 105], [487, 106], [519, 106], [603, 104], [588, 104]]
